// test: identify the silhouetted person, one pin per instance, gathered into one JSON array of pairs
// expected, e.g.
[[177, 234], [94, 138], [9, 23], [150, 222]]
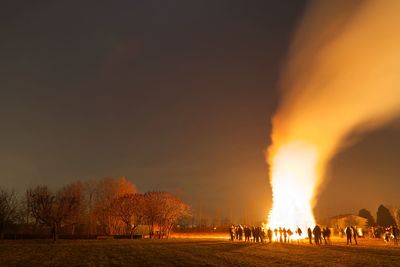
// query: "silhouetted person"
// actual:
[[276, 234], [354, 234], [395, 233], [247, 233], [280, 235], [309, 232], [284, 231], [255, 234], [232, 232], [341, 232], [328, 235], [348, 233], [236, 232], [240, 232], [262, 234], [54, 232], [299, 232], [269, 233], [317, 234], [324, 235], [290, 233]]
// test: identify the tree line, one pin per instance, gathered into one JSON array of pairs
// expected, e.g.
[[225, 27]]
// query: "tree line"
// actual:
[[385, 216], [105, 206]]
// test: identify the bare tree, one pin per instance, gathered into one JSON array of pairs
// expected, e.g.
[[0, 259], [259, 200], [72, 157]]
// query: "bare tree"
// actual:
[[8, 208], [173, 209], [128, 208], [107, 190], [73, 194], [50, 209], [162, 209], [152, 210]]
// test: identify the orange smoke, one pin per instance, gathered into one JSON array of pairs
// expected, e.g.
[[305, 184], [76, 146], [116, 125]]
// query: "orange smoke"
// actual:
[[341, 76]]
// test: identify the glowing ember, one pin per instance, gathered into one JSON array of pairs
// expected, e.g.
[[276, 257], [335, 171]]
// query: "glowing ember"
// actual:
[[293, 179]]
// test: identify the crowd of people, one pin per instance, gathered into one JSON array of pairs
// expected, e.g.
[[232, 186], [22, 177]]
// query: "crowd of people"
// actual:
[[317, 235], [281, 234], [255, 234], [391, 233], [321, 235]]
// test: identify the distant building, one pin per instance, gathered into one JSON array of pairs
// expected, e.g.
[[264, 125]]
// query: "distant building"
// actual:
[[342, 221]]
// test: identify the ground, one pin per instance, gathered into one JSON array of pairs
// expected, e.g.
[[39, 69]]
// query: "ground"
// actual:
[[194, 252]]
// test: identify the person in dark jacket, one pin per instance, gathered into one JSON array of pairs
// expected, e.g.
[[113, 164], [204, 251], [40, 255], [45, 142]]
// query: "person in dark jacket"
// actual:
[[317, 234], [348, 233], [309, 232], [354, 229]]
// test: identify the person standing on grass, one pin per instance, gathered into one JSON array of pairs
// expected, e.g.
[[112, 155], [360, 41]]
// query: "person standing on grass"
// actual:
[[328, 235], [237, 232], [324, 235], [262, 234], [348, 233], [354, 234], [232, 232], [309, 232], [240, 231], [299, 233], [246, 233], [54, 232], [269, 233], [290, 233], [317, 235], [395, 233], [284, 234]]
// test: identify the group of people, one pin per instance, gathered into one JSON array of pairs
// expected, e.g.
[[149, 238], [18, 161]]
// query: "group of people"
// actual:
[[320, 234], [392, 233], [317, 235], [255, 234], [281, 234], [351, 232]]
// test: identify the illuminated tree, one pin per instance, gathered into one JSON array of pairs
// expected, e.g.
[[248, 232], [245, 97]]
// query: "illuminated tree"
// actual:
[[73, 191], [129, 209], [105, 192], [162, 209], [8, 208], [173, 209]]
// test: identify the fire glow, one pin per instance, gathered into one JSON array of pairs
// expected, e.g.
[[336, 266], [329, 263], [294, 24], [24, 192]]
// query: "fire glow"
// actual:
[[340, 77], [294, 178]]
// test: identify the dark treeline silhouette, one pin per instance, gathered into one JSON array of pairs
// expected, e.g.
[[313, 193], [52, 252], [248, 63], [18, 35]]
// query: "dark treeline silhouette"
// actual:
[[367, 215], [384, 218], [105, 207]]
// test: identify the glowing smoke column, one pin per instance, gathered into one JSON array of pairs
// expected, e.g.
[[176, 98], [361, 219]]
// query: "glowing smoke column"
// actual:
[[342, 75]]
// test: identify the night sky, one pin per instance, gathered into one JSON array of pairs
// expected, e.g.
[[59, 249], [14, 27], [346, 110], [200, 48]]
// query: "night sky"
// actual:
[[174, 95]]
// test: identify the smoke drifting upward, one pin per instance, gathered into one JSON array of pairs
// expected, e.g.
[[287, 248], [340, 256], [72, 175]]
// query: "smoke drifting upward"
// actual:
[[342, 75]]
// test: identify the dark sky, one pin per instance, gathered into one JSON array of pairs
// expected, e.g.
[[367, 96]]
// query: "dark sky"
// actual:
[[175, 95]]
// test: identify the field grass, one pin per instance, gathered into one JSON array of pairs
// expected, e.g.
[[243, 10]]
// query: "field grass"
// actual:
[[193, 252]]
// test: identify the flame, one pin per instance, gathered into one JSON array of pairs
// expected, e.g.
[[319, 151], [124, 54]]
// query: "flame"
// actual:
[[294, 176], [341, 77]]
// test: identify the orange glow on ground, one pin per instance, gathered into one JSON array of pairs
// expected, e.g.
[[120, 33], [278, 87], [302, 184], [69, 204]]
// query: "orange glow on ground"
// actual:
[[201, 235]]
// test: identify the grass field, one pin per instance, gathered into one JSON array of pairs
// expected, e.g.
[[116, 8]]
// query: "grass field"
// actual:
[[193, 252]]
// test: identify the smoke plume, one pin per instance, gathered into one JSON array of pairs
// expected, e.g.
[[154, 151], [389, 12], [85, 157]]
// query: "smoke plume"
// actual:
[[342, 75]]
